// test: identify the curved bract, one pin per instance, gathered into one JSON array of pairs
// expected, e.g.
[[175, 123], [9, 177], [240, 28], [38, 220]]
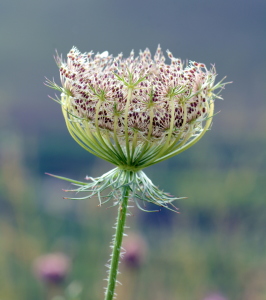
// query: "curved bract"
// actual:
[[137, 111]]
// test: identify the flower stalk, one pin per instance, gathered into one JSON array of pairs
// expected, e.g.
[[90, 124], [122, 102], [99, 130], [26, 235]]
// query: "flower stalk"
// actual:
[[117, 243]]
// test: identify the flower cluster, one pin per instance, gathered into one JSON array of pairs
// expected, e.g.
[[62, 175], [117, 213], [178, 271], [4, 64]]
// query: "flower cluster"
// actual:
[[125, 105], [160, 94], [134, 112]]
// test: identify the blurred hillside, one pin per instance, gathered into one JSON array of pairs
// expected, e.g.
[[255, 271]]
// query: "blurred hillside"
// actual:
[[217, 243]]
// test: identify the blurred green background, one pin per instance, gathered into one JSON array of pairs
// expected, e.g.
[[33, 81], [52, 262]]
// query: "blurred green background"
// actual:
[[217, 244]]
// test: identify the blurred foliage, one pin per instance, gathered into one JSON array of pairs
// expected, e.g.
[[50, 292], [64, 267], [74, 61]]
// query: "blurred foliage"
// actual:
[[217, 242]]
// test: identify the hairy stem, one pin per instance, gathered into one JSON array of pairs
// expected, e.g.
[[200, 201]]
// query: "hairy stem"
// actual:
[[120, 225]]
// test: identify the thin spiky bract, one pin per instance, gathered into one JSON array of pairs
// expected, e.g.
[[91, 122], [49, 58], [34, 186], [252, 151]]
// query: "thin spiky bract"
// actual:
[[110, 186]]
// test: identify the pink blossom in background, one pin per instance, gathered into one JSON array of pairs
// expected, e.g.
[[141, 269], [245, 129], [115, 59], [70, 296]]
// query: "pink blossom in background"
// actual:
[[52, 268], [135, 251], [215, 296]]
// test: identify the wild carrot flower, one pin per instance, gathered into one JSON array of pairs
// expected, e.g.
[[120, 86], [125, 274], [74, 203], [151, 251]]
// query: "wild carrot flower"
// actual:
[[133, 112]]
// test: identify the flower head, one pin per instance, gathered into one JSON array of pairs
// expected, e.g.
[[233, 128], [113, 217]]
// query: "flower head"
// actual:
[[135, 111]]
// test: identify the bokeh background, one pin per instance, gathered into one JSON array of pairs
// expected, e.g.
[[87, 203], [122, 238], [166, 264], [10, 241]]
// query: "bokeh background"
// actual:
[[216, 246]]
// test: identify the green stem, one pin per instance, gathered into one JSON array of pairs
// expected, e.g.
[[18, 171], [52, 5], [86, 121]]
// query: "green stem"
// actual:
[[120, 225]]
